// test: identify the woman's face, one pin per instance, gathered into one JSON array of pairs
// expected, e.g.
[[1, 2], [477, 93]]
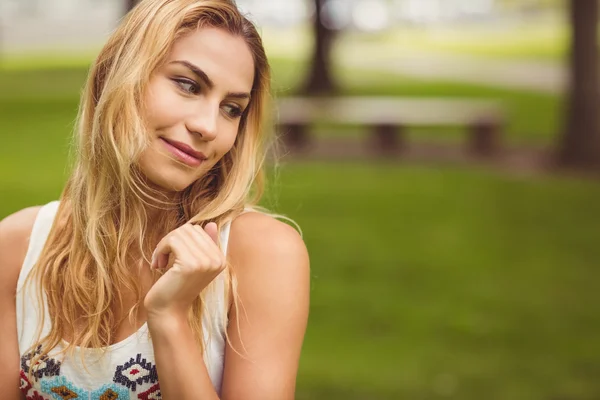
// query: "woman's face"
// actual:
[[194, 104]]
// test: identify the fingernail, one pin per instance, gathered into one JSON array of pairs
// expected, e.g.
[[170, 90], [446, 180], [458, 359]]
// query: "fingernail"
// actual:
[[153, 260]]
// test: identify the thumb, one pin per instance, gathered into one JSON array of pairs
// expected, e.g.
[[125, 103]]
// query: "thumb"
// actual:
[[212, 231]]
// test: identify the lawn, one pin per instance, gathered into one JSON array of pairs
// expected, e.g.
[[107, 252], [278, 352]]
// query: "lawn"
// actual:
[[447, 283], [546, 41], [427, 282], [542, 39]]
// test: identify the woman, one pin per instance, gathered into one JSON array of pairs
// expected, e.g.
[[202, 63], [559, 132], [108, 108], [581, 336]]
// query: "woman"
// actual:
[[154, 276]]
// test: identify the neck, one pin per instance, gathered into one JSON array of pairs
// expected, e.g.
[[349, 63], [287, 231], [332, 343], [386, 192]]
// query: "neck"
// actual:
[[161, 206], [162, 216]]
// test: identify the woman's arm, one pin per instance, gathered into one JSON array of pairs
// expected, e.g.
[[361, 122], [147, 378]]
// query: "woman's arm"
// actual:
[[14, 240], [192, 260], [271, 264], [181, 369]]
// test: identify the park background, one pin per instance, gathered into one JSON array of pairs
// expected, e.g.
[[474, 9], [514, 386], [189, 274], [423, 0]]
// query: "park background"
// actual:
[[432, 277]]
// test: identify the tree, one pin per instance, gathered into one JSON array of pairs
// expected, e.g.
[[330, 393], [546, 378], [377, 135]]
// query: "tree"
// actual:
[[579, 145], [320, 77], [129, 4]]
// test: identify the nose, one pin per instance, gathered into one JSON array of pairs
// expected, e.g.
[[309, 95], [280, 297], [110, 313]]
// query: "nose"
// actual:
[[202, 121]]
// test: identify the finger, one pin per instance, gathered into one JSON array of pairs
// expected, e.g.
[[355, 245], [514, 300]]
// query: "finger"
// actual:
[[203, 254], [169, 246], [210, 241], [188, 239], [161, 252], [162, 261], [211, 249], [212, 231], [198, 245]]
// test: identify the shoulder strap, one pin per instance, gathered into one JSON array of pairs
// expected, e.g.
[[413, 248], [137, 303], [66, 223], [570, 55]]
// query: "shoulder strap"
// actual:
[[225, 229], [37, 239]]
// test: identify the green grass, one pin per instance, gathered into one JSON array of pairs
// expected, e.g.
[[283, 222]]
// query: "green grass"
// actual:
[[544, 39], [537, 41], [431, 283], [427, 283]]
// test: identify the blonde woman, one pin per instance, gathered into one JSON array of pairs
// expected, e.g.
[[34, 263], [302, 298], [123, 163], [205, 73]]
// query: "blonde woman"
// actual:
[[155, 276]]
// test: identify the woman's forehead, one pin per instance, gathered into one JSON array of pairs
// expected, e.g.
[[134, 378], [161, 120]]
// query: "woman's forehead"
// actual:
[[225, 58]]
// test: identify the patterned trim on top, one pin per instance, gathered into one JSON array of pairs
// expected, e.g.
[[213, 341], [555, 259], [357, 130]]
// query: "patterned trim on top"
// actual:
[[46, 366], [135, 372], [110, 392], [151, 394], [60, 388]]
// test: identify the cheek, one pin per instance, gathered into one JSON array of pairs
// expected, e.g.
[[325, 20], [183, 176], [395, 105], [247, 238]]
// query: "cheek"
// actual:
[[228, 141], [148, 160], [161, 105]]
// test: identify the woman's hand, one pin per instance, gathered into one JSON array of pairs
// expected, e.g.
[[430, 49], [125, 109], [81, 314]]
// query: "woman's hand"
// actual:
[[192, 260]]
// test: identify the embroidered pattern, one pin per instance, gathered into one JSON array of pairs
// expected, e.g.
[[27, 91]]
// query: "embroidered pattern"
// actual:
[[151, 394], [110, 392], [135, 372], [25, 385], [44, 367], [60, 388], [129, 376], [35, 396], [27, 388]]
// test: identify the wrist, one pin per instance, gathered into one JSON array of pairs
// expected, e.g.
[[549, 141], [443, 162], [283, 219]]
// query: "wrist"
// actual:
[[166, 320]]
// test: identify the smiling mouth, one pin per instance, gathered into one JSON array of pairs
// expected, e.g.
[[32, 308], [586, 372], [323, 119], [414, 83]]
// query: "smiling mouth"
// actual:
[[184, 153]]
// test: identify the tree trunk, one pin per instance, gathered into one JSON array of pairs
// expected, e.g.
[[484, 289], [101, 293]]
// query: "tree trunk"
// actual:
[[129, 4], [320, 78], [580, 142]]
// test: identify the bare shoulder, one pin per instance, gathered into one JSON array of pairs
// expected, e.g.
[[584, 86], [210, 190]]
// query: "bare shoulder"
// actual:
[[257, 236], [15, 231], [268, 256]]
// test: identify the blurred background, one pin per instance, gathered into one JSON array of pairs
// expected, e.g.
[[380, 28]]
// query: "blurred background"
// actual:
[[441, 156]]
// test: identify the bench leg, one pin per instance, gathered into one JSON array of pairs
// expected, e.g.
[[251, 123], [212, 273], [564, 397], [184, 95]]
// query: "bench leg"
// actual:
[[295, 136], [484, 138], [388, 139]]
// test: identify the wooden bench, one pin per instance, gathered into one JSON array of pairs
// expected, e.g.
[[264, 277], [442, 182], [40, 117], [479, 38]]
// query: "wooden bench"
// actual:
[[387, 117]]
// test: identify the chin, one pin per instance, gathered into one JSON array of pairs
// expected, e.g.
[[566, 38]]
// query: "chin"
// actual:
[[168, 179], [172, 183], [165, 176]]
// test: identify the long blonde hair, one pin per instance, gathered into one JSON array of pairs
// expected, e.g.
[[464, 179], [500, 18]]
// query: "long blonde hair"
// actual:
[[102, 213]]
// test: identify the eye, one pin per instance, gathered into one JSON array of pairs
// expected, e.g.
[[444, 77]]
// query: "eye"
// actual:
[[233, 111], [188, 86]]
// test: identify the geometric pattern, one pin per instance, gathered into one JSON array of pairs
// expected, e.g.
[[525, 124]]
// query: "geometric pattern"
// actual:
[[135, 372], [151, 394], [25, 384], [27, 389], [35, 396], [110, 392], [44, 367], [62, 389], [43, 381]]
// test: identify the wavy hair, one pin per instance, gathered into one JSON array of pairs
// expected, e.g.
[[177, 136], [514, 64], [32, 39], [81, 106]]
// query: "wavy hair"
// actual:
[[102, 216]]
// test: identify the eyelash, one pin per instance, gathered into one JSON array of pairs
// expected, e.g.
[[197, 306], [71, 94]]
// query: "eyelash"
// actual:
[[182, 82], [235, 111]]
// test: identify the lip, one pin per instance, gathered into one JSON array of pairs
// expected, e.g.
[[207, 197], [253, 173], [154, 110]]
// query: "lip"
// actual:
[[184, 153]]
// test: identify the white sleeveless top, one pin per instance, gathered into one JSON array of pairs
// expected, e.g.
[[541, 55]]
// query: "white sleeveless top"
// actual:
[[127, 370]]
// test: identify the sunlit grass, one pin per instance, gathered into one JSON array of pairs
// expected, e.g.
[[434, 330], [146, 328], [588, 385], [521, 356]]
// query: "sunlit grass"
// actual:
[[520, 42], [545, 40]]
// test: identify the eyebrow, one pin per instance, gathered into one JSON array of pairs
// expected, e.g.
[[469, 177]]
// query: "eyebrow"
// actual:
[[207, 81]]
